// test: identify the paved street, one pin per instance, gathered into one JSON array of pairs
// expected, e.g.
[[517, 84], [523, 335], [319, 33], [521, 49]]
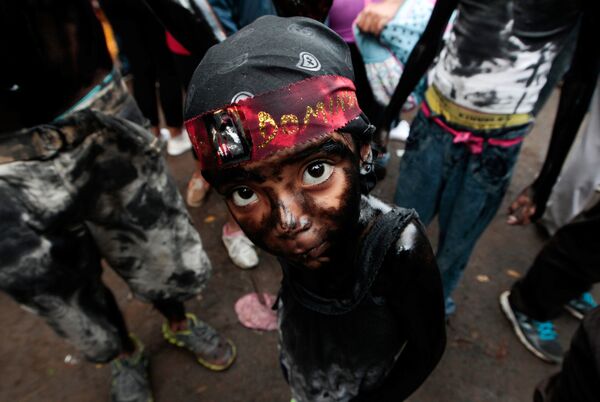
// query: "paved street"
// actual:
[[483, 360]]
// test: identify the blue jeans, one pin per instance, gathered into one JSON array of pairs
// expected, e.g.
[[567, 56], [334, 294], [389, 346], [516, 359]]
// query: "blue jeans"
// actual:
[[464, 189]]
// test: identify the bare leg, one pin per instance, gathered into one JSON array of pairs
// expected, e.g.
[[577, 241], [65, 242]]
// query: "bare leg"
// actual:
[[174, 312]]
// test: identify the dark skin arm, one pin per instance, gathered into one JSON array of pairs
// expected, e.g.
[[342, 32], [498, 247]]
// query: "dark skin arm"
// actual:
[[414, 292], [576, 94], [418, 62]]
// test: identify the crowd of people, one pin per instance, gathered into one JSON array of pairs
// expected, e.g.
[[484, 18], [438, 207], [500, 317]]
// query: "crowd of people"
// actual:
[[287, 108]]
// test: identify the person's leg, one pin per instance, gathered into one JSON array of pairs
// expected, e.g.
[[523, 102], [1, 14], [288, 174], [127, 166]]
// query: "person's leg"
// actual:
[[469, 202], [173, 311], [580, 175], [566, 267], [51, 266], [134, 45], [145, 233], [579, 379], [421, 172], [364, 93], [170, 92], [57, 276], [185, 65], [49, 262]]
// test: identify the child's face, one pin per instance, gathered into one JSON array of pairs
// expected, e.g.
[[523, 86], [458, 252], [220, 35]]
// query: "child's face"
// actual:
[[302, 205]]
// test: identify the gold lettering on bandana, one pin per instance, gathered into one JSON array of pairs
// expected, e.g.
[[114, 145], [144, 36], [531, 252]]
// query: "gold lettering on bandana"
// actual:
[[289, 124], [265, 118], [310, 112]]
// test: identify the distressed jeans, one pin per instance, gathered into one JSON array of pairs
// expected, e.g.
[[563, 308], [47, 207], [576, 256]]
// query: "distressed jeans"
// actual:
[[440, 177]]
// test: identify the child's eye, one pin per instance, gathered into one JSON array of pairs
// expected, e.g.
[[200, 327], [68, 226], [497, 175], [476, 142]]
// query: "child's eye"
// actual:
[[317, 173], [243, 196]]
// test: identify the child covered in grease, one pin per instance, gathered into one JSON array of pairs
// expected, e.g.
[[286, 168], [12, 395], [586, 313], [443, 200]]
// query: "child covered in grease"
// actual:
[[273, 116]]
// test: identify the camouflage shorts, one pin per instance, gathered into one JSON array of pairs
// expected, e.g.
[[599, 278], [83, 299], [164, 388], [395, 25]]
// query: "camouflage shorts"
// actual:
[[110, 197]]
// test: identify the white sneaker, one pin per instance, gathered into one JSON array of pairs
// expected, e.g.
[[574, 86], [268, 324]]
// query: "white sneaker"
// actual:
[[165, 134], [401, 131], [240, 250], [196, 190], [179, 144]]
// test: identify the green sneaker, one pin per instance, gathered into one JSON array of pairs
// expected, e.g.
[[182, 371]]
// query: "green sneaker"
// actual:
[[130, 381], [211, 349]]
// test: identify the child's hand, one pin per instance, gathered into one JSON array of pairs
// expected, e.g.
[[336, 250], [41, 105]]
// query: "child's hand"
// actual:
[[522, 209], [374, 17]]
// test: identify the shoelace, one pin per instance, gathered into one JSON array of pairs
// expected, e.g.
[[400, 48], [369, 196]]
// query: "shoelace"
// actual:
[[589, 299], [546, 330]]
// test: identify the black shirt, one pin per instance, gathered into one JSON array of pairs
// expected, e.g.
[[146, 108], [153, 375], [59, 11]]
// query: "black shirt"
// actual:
[[378, 339]]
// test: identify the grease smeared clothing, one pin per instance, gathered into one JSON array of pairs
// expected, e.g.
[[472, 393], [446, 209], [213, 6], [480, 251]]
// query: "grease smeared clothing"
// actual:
[[380, 332], [499, 53], [108, 195], [465, 141]]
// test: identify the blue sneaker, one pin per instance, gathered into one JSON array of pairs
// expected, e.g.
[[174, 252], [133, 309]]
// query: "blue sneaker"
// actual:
[[580, 306], [449, 306], [539, 337]]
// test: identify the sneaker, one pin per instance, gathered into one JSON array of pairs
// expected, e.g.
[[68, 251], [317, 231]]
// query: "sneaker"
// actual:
[[581, 306], [165, 134], [179, 144], [130, 381], [539, 337], [449, 306], [212, 351], [400, 132], [240, 249], [196, 190]]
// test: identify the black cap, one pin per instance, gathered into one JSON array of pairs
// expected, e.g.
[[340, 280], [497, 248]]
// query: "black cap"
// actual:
[[269, 54]]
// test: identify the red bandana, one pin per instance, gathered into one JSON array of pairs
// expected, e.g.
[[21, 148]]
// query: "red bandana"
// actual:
[[257, 127]]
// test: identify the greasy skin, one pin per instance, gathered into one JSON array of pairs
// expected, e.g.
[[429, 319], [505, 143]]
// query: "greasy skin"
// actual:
[[300, 205]]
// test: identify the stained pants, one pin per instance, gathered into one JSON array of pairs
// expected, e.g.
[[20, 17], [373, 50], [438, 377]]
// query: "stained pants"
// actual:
[[109, 196]]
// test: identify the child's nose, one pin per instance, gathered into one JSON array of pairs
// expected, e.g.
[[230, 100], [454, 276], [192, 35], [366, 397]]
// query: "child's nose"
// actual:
[[291, 217]]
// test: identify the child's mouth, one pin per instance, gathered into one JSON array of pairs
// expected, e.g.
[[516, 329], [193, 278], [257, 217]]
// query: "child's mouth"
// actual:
[[315, 253], [318, 251]]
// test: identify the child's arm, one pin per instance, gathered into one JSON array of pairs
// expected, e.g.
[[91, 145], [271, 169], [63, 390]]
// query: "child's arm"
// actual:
[[415, 294]]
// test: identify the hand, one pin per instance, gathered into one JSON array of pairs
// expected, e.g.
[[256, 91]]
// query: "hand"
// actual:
[[374, 17], [522, 210]]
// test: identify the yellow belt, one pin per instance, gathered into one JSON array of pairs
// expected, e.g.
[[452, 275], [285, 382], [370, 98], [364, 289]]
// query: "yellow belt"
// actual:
[[453, 113]]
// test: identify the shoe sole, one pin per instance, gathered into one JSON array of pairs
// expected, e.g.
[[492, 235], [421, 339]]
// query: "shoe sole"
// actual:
[[508, 312], [573, 312], [178, 153]]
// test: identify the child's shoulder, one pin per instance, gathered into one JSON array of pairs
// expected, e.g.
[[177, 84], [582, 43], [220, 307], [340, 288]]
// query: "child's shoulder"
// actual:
[[412, 233]]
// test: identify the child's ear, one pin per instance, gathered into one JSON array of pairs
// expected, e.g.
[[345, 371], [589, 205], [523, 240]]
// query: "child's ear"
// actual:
[[366, 155], [366, 159]]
